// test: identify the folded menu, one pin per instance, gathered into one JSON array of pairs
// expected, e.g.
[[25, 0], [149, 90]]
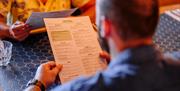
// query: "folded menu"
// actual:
[[75, 45], [36, 21]]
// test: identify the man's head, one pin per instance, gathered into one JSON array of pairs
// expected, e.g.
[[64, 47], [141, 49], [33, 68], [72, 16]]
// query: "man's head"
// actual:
[[124, 21]]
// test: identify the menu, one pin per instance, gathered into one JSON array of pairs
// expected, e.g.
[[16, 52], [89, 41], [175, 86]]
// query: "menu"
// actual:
[[75, 45], [36, 21]]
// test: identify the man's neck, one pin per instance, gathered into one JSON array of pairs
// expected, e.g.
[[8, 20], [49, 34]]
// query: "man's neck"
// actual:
[[136, 43]]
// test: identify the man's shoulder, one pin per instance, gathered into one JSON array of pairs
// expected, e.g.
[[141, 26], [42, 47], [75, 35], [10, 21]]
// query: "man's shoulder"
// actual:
[[171, 63]]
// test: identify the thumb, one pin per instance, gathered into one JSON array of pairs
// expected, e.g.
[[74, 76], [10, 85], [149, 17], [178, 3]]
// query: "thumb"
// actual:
[[105, 55], [18, 27], [57, 69]]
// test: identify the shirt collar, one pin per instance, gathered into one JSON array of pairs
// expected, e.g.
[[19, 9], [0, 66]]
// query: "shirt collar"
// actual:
[[138, 54]]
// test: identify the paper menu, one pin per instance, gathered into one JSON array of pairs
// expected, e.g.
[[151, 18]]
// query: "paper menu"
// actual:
[[75, 45]]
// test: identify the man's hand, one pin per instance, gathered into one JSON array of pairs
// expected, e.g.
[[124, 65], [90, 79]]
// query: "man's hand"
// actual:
[[105, 56], [19, 31], [47, 73]]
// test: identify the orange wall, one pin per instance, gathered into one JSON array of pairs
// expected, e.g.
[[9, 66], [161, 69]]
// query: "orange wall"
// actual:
[[168, 2]]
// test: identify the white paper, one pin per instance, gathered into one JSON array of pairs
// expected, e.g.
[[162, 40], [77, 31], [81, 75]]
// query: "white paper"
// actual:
[[75, 45]]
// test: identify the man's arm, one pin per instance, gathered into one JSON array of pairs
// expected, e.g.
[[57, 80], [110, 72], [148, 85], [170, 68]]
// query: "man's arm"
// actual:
[[4, 29], [46, 74]]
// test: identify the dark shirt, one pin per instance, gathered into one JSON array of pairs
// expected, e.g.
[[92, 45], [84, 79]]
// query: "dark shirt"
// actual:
[[135, 69]]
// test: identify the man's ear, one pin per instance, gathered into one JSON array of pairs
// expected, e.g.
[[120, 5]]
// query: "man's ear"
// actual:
[[106, 26]]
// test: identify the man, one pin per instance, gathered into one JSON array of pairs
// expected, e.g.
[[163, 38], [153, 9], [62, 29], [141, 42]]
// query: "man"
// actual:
[[13, 11], [126, 30]]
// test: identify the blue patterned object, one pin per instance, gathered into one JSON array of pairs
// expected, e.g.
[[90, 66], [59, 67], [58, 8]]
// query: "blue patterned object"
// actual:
[[28, 55], [167, 36], [26, 58]]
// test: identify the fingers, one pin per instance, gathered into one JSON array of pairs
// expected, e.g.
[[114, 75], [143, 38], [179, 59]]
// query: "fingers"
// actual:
[[21, 37], [18, 31], [18, 22], [19, 28], [105, 56], [57, 69], [53, 66], [59, 66]]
